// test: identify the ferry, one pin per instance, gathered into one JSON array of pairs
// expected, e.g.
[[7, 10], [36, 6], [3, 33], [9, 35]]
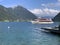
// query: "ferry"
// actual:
[[42, 21]]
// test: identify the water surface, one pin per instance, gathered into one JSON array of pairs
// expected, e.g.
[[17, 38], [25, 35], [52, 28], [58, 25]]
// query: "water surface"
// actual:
[[26, 33]]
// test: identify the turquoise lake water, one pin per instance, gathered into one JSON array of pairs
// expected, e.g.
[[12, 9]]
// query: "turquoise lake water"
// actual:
[[26, 33]]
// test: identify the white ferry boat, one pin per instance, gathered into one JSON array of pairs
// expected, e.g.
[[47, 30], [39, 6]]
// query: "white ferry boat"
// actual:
[[42, 21]]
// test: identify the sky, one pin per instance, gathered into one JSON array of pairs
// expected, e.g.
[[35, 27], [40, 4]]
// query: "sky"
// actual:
[[37, 7]]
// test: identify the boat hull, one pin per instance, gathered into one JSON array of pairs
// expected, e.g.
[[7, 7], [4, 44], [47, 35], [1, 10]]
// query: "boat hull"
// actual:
[[52, 30]]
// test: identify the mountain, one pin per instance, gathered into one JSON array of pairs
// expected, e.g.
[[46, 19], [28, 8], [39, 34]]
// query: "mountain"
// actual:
[[57, 18], [3, 13], [17, 13]]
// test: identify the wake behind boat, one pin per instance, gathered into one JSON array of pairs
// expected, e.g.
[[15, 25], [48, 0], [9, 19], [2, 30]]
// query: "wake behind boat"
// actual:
[[42, 21]]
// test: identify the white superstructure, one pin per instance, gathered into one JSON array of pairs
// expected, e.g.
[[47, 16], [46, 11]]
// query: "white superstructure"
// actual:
[[42, 21]]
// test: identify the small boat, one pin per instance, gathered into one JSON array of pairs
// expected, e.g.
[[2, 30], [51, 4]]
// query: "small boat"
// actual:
[[52, 29], [42, 21]]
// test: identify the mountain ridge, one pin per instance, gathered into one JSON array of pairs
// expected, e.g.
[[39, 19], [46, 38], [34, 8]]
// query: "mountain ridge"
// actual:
[[17, 13]]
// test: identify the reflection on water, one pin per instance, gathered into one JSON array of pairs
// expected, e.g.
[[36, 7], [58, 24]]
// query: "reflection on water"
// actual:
[[25, 33]]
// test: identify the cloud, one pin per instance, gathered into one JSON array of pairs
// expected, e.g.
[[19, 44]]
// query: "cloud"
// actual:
[[48, 5], [45, 11], [58, 0], [43, 4], [50, 9], [37, 11], [52, 5]]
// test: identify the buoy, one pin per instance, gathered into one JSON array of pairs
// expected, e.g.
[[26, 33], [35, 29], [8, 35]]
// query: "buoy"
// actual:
[[8, 27]]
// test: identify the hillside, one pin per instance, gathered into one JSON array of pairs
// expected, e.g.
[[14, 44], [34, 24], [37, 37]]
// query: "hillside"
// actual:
[[57, 18], [17, 13]]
